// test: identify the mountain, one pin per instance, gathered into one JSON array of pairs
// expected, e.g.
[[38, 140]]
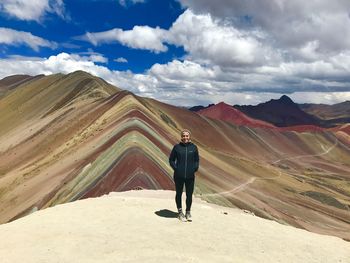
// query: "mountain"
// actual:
[[225, 112], [70, 137], [199, 107], [336, 114], [282, 112], [141, 226], [11, 82], [228, 113]]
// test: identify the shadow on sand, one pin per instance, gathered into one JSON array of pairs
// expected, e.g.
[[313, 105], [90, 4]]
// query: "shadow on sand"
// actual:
[[166, 213]]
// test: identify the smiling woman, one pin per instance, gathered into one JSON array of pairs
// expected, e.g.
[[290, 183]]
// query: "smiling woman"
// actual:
[[184, 159]]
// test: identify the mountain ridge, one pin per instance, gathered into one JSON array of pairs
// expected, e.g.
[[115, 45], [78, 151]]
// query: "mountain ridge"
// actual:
[[89, 146], [281, 112], [338, 113], [228, 113], [325, 115]]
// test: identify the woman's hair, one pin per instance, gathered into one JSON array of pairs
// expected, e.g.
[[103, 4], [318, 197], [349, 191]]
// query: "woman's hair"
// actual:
[[185, 130]]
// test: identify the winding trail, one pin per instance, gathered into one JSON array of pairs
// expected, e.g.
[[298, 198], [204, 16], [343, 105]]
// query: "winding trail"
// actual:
[[244, 185], [234, 190], [326, 151]]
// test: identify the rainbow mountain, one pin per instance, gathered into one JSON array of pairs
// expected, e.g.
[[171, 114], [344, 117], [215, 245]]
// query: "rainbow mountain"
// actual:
[[75, 136]]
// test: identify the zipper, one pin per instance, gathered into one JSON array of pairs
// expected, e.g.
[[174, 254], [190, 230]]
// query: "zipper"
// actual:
[[186, 163]]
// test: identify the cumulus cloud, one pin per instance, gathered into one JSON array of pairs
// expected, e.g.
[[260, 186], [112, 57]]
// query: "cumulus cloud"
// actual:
[[210, 41], [33, 9], [185, 70], [10, 36], [244, 52], [234, 48], [121, 60], [331, 70], [140, 37], [61, 63], [205, 82], [169, 82], [90, 55], [321, 97], [203, 38], [142, 84], [285, 78], [288, 24]]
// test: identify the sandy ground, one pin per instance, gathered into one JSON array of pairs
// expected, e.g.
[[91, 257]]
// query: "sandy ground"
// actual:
[[141, 226]]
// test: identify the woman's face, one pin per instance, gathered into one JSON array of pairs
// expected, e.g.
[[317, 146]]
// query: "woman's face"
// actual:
[[185, 137]]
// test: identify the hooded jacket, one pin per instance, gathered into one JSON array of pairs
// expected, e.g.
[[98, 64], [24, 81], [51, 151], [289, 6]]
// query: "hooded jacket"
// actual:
[[184, 159]]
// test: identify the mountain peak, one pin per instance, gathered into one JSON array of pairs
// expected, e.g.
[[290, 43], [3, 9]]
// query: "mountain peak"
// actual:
[[281, 112], [286, 99], [223, 104], [228, 113], [80, 73]]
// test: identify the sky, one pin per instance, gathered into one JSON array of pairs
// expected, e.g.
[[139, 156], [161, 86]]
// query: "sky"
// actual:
[[186, 52]]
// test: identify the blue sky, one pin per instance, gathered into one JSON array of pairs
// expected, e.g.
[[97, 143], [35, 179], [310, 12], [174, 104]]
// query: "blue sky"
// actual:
[[186, 52], [83, 16]]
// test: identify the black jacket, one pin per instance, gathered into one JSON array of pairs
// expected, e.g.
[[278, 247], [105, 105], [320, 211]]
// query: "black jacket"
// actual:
[[184, 159]]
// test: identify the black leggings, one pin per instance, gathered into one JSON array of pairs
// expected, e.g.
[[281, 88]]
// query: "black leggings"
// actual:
[[179, 185]]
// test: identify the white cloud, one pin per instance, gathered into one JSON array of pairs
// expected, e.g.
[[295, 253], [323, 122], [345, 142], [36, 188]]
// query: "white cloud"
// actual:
[[210, 41], [93, 56], [335, 68], [319, 97], [186, 70], [287, 24], [170, 83], [284, 78], [32, 9], [242, 52], [231, 58], [66, 63], [61, 63], [203, 38], [98, 58], [13, 37], [125, 3], [121, 60], [140, 37]]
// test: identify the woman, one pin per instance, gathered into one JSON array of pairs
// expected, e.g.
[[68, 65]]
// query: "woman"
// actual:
[[184, 159]]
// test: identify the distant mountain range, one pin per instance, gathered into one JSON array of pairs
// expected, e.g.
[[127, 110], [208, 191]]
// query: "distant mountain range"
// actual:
[[65, 137], [335, 114], [225, 112], [283, 112]]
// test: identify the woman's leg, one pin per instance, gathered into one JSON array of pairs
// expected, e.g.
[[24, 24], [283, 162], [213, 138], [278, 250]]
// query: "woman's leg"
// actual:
[[179, 186], [189, 192]]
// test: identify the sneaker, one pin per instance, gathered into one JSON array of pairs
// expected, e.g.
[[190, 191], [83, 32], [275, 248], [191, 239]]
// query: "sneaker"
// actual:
[[188, 216], [181, 217]]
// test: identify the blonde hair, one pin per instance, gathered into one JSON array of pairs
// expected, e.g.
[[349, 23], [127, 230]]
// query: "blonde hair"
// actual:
[[185, 130]]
